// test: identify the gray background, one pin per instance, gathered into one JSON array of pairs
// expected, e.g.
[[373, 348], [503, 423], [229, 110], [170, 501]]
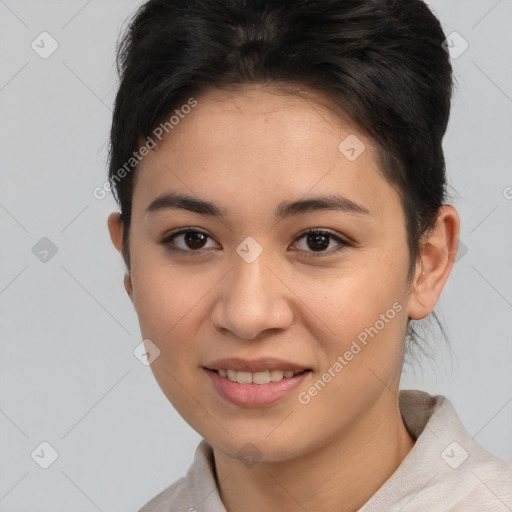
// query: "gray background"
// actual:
[[68, 375]]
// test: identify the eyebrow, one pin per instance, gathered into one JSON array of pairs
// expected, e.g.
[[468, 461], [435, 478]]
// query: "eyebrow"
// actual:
[[282, 211]]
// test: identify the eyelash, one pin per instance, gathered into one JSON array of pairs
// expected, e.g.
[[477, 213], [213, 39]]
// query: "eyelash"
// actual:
[[342, 243]]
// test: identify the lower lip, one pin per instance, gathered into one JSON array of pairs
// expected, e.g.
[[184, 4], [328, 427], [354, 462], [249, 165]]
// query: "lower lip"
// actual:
[[255, 395]]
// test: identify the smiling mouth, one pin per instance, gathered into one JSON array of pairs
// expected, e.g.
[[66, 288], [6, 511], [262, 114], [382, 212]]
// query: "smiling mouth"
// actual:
[[261, 377]]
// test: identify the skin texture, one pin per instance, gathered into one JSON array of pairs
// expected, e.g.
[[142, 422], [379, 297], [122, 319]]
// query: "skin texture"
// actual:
[[249, 150]]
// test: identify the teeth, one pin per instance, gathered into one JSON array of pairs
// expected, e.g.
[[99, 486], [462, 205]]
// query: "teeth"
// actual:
[[256, 377]]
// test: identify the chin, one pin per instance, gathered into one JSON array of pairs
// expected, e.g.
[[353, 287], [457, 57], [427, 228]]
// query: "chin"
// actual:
[[262, 448]]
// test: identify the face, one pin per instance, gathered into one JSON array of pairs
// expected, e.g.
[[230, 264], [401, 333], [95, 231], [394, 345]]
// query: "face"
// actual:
[[251, 284]]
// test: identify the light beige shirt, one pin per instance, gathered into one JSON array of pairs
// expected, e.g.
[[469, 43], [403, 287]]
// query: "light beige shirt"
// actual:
[[446, 470]]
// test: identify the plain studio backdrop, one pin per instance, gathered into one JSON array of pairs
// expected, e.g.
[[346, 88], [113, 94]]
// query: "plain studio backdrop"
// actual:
[[73, 395]]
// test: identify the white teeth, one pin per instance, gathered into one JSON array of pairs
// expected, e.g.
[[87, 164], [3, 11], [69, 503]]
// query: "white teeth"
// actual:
[[263, 377], [276, 375], [244, 377]]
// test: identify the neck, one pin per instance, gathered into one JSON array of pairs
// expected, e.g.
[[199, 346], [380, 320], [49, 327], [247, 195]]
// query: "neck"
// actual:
[[342, 474]]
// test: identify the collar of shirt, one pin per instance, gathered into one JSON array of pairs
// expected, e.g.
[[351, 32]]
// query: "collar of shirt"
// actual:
[[445, 470]]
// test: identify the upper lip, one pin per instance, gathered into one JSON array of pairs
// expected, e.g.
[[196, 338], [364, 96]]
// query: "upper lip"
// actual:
[[255, 365]]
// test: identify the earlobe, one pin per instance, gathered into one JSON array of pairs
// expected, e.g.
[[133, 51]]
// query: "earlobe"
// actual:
[[128, 286], [416, 307], [435, 263]]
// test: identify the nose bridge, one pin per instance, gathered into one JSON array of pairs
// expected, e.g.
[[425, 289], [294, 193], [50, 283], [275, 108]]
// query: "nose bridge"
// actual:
[[252, 299]]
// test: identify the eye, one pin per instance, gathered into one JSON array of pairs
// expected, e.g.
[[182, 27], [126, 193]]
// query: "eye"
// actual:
[[193, 240], [318, 240]]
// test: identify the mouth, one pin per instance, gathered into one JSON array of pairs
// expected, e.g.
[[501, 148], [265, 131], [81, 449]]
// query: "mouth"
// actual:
[[260, 388], [257, 378]]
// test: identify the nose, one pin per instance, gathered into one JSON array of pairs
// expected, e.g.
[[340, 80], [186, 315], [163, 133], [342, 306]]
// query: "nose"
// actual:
[[252, 300]]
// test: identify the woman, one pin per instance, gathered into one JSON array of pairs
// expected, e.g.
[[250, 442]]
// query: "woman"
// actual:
[[281, 180]]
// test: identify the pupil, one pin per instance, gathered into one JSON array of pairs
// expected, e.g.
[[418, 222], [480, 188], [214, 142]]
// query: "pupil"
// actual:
[[192, 238], [316, 237]]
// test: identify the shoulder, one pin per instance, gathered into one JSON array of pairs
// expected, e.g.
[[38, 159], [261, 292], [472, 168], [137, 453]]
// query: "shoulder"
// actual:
[[482, 481], [475, 486], [196, 490], [469, 477], [171, 498], [447, 469]]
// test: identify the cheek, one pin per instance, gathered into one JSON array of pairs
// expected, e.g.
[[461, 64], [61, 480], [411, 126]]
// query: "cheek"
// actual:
[[362, 313], [355, 298], [161, 291], [363, 347], [167, 304], [162, 298]]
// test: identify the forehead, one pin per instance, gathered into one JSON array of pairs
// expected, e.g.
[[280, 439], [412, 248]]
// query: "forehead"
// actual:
[[259, 142], [263, 110]]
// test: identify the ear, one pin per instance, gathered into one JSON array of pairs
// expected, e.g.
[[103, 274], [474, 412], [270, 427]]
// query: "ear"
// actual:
[[115, 228], [434, 263]]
